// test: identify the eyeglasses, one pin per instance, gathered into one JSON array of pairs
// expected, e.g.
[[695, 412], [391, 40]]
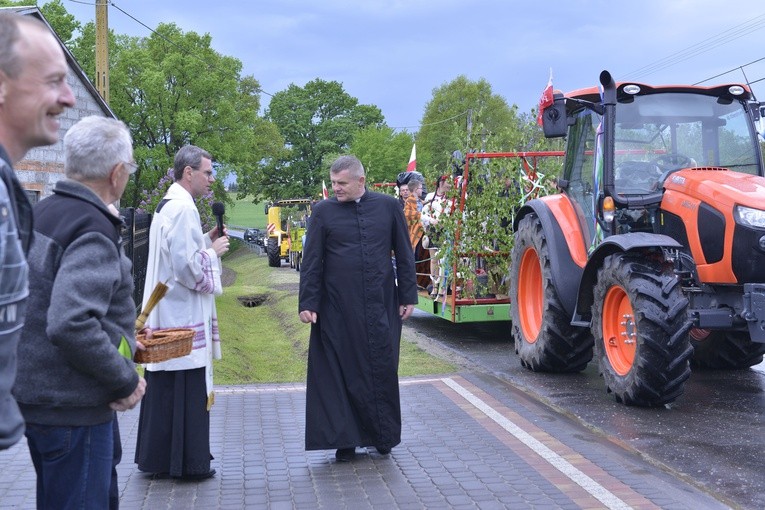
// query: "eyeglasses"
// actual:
[[208, 173], [132, 166]]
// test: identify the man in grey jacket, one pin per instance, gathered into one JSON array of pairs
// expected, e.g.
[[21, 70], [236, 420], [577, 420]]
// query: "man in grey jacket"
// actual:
[[81, 317], [33, 94]]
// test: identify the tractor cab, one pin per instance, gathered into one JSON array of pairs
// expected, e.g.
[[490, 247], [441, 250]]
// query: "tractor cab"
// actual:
[[622, 148]]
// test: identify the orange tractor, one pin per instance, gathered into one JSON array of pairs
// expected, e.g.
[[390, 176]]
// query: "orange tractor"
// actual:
[[652, 254]]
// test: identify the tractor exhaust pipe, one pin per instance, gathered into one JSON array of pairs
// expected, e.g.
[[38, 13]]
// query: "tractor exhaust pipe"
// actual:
[[609, 120]]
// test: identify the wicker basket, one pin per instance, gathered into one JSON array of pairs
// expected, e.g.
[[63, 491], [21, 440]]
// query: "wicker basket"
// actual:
[[164, 344]]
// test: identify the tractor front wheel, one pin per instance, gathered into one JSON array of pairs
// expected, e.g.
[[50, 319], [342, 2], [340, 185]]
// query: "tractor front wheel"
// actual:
[[640, 326]]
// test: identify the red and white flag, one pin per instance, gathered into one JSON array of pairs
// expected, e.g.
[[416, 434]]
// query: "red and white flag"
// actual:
[[546, 99], [324, 192], [412, 166]]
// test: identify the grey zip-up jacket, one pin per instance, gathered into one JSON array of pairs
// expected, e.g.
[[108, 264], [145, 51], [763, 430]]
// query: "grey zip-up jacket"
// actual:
[[80, 307]]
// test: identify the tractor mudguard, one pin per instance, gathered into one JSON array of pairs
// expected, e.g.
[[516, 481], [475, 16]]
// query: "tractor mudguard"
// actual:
[[566, 272], [609, 246]]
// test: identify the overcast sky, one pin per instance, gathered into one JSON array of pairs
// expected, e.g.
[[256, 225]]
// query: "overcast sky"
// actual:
[[393, 53]]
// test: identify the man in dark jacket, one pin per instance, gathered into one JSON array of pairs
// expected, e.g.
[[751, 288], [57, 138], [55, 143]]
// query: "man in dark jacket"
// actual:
[[350, 296], [76, 349], [33, 93]]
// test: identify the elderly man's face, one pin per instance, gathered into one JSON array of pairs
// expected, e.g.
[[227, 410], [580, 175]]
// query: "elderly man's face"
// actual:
[[403, 191]]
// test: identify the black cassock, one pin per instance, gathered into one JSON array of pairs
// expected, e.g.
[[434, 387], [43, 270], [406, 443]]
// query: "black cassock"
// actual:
[[347, 276]]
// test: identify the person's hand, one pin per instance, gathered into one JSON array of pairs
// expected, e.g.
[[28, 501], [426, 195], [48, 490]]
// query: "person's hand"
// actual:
[[131, 400], [221, 245], [214, 234], [307, 316], [148, 333], [405, 311]]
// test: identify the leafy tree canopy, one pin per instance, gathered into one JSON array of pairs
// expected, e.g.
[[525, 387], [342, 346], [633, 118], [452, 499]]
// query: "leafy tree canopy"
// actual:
[[317, 120], [173, 89], [466, 115], [383, 153]]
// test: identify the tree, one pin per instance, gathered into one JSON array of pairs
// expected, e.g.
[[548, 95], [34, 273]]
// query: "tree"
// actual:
[[173, 89], [317, 121], [465, 115], [64, 24], [382, 152]]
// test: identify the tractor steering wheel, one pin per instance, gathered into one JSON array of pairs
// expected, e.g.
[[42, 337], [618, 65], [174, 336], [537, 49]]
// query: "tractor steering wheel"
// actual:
[[673, 161]]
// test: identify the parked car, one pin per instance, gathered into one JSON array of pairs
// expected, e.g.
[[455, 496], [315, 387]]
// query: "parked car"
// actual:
[[254, 235]]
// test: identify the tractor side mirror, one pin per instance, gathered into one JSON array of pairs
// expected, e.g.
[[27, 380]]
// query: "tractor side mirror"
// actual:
[[554, 121]]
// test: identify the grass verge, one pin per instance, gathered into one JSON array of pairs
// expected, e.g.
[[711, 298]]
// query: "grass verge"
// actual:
[[268, 343]]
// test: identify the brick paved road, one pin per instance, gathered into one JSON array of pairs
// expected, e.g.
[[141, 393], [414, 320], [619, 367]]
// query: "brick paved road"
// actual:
[[469, 441]]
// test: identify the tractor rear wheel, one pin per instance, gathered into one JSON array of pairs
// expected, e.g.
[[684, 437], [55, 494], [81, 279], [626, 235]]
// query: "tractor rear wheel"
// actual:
[[273, 251], [640, 326], [544, 338], [727, 350]]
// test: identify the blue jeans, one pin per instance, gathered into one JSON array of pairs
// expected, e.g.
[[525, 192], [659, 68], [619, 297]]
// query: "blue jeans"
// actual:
[[73, 465]]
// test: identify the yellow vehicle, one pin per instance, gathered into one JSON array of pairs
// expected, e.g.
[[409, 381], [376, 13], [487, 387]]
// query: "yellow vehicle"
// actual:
[[285, 231]]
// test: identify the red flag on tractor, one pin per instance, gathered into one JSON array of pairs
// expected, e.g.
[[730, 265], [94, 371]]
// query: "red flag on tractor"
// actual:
[[546, 99]]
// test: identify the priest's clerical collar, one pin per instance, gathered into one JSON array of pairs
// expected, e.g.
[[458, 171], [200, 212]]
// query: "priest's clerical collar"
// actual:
[[359, 199]]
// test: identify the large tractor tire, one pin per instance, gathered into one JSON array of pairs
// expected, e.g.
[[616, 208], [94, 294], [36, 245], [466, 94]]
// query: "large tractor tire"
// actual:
[[640, 326], [273, 251], [726, 350], [544, 339]]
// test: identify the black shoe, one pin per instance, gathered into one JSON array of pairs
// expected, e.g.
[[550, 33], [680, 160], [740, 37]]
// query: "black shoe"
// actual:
[[198, 476], [382, 451], [345, 454]]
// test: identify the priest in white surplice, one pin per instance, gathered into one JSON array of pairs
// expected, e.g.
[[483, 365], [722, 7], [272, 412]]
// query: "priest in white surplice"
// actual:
[[174, 425]]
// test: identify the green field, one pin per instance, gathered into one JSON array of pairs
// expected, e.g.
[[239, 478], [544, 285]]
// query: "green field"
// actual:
[[243, 213]]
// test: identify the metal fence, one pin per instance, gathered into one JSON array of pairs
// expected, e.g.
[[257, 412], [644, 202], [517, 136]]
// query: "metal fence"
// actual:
[[135, 242]]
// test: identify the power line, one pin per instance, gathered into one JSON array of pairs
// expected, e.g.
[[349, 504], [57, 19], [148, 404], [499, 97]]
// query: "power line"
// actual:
[[724, 37], [731, 70], [209, 65]]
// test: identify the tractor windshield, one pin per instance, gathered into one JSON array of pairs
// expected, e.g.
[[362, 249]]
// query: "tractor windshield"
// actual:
[[658, 133]]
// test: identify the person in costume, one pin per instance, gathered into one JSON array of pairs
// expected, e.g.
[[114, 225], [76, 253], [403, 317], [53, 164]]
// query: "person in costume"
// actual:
[[355, 305], [174, 423]]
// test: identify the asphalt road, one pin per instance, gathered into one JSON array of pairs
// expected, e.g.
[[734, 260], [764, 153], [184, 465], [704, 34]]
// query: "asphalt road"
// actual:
[[711, 436]]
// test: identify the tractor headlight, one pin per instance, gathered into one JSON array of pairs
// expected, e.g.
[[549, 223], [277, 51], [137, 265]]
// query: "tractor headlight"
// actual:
[[749, 217]]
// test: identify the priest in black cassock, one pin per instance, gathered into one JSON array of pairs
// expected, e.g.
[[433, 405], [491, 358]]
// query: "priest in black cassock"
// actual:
[[355, 304]]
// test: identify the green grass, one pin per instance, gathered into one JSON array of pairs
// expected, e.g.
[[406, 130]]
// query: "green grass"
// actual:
[[268, 343], [244, 213]]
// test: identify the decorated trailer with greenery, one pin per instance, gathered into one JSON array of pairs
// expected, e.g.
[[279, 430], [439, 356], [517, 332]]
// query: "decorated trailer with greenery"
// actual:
[[470, 267]]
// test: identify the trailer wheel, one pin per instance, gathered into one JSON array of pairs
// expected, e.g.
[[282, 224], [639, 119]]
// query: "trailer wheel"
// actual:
[[272, 249], [544, 338], [726, 350], [640, 326]]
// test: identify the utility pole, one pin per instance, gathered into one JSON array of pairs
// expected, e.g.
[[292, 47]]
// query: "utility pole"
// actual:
[[102, 49]]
